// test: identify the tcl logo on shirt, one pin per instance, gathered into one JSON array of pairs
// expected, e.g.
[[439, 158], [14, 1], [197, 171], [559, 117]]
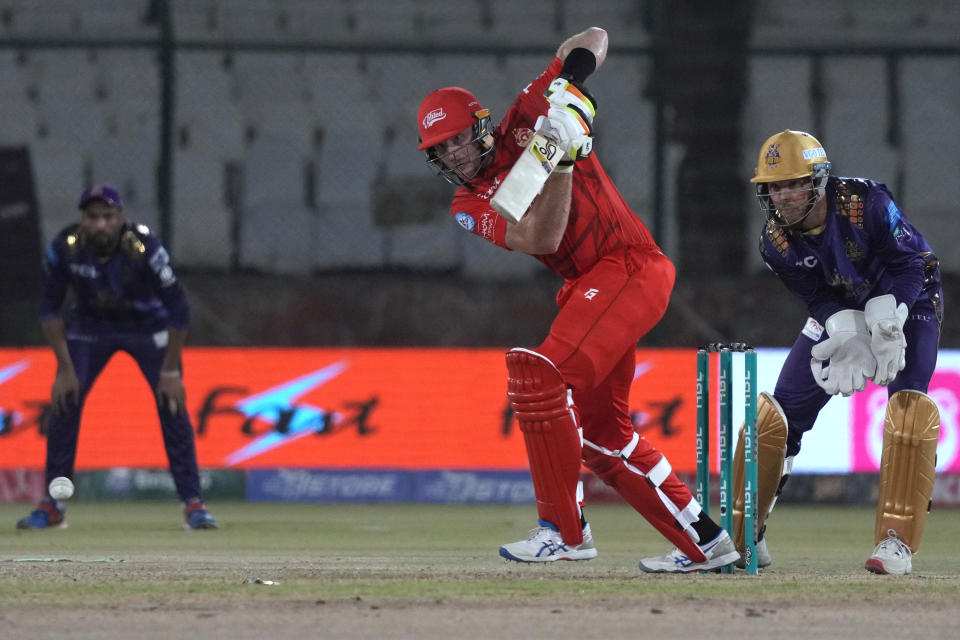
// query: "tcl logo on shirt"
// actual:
[[486, 195]]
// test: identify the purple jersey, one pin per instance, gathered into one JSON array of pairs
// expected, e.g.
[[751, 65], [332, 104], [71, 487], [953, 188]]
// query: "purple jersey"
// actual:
[[134, 289], [866, 248]]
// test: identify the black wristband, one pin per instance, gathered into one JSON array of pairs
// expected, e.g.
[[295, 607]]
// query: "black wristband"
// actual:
[[565, 163], [579, 64]]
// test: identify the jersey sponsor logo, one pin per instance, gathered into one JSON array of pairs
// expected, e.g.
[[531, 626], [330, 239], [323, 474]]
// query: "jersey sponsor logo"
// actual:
[[486, 195], [522, 136], [590, 294], [813, 329], [432, 117], [809, 262], [893, 215], [488, 222], [818, 152], [159, 259], [465, 221], [84, 270], [166, 276], [160, 263], [901, 233], [895, 221]]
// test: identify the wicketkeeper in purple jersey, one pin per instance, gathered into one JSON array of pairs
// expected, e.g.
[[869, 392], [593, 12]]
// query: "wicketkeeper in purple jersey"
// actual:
[[126, 297], [871, 284]]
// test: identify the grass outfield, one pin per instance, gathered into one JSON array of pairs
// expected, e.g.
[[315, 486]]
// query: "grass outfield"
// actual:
[[418, 559]]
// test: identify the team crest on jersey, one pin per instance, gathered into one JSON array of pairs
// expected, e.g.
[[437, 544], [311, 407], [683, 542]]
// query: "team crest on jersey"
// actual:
[[522, 135], [773, 155], [855, 252], [465, 221]]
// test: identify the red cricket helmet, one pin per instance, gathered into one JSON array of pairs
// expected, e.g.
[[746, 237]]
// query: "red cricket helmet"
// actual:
[[446, 112]]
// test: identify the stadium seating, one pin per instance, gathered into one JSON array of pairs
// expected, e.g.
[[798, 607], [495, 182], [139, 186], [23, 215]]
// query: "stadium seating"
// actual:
[[856, 119], [346, 236], [931, 135], [346, 116]]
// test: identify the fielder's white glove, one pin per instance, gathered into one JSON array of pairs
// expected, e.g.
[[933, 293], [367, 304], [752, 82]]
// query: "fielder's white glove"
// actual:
[[848, 349], [885, 320]]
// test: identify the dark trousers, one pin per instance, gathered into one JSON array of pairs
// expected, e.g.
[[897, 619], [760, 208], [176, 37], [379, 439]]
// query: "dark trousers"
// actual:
[[90, 354]]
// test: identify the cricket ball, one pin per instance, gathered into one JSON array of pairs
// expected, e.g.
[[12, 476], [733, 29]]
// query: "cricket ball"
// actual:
[[61, 488]]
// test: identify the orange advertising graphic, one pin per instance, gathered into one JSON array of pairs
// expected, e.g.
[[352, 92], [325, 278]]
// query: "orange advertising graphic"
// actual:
[[324, 408]]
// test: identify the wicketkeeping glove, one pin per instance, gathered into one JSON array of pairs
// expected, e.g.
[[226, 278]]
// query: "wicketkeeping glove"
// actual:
[[885, 320], [848, 349]]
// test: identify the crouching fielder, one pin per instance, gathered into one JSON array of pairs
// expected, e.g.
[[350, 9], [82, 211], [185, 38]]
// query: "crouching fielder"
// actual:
[[871, 284], [570, 394]]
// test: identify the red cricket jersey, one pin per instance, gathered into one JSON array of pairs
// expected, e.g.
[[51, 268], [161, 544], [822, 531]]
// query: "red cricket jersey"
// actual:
[[600, 220]]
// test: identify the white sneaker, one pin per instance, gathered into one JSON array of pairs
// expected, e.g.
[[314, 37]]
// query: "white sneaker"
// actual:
[[546, 545], [763, 556], [891, 556], [720, 552]]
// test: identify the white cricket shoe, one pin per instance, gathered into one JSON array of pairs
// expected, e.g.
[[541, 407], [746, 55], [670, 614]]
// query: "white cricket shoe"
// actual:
[[546, 545], [720, 552], [763, 556], [891, 556]]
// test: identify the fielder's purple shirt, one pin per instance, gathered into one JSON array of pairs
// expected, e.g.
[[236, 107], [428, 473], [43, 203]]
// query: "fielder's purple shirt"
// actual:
[[134, 289], [867, 248]]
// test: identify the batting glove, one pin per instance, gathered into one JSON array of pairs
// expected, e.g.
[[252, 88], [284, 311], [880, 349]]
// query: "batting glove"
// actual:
[[848, 349], [565, 130], [567, 94], [884, 319]]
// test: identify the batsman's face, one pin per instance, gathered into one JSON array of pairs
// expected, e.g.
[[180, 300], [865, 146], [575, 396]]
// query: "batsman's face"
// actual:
[[101, 224], [460, 152], [792, 198]]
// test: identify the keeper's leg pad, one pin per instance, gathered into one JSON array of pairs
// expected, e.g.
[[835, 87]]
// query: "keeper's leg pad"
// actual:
[[771, 449], [644, 478], [548, 420], [910, 433]]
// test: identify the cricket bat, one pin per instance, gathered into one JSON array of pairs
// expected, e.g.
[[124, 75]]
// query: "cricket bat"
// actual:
[[525, 180]]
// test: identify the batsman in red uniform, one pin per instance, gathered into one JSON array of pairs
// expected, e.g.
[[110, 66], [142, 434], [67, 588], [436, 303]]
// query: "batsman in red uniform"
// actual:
[[570, 394]]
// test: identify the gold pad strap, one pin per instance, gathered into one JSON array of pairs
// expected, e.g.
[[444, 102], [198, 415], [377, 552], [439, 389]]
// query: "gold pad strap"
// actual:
[[910, 433], [771, 449]]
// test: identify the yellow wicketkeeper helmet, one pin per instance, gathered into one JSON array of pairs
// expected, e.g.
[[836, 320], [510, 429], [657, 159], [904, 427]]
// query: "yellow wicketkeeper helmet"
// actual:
[[790, 155]]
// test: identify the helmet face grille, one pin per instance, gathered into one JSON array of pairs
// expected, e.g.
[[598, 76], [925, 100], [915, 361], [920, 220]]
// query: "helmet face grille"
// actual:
[[456, 175], [791, 155]]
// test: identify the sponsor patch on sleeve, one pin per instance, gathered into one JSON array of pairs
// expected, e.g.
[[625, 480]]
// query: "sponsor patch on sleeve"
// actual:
[[813, 329], [465, 220], [893, 215]]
